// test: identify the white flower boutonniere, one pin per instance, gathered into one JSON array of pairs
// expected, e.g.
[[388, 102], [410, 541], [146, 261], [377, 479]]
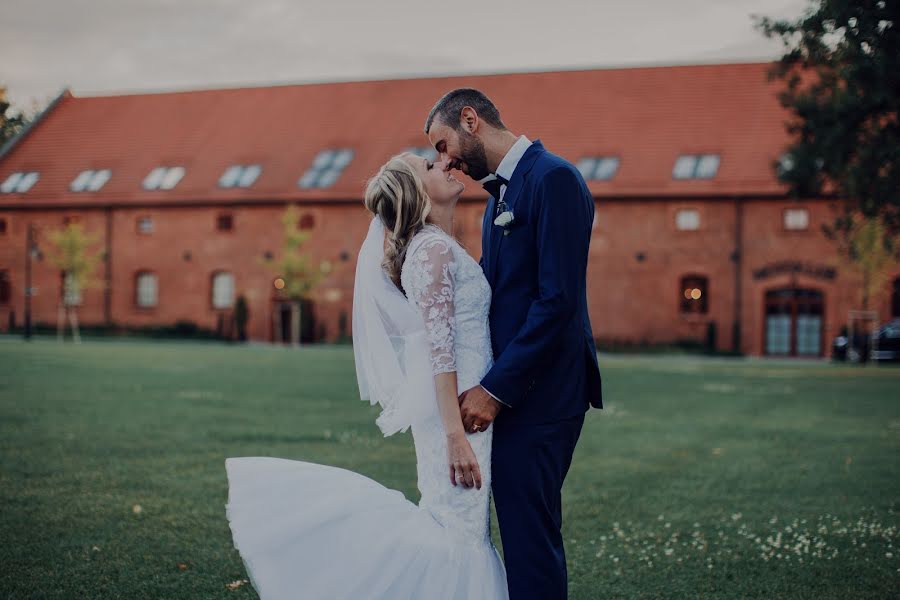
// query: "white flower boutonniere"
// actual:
[[505, 218]]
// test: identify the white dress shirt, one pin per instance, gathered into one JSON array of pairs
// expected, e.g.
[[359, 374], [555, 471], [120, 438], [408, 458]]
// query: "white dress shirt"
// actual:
[[508, 165]]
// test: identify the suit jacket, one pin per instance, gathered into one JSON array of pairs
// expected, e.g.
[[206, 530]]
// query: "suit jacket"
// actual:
[[545, 366]]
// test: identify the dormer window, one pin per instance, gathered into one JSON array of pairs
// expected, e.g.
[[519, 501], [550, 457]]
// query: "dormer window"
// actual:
[[598, 168], [242, 176], [19, 182], [326, 168], [163, 178], [90, 180], [696, 166]]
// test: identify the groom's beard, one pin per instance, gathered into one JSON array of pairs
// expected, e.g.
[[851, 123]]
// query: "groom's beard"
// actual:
[[472, 153]]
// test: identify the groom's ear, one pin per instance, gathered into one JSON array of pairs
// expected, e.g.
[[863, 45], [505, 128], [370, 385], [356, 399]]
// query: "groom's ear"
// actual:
[[468, 120]]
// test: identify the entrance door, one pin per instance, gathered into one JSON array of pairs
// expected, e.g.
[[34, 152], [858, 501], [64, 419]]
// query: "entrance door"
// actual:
[[794, 322]]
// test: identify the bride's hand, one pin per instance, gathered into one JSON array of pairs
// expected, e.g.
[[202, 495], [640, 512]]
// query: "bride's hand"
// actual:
[[463, 464]]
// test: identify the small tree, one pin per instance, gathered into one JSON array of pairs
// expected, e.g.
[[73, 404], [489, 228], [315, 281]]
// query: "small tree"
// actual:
[[295, 269], [71, 252], [867, 247]]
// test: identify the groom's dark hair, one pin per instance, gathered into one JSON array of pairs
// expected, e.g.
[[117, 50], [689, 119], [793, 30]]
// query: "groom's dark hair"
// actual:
[[448, 109]]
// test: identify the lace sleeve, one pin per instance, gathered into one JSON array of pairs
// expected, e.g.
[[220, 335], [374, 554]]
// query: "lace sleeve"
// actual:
[[429, 286]]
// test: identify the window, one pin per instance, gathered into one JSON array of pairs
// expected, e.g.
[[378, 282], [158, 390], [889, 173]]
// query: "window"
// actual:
[[242, 176], [796, 219], [694, 294], [326, 168], [163, 178], [146, 290], [5, 287], [222, 290], [307, 221], [90, 181], [2, 226], [426, 152], [19, 182], [598, 168], [687, 219], [224, 222], [145, 225], [895, 299], [696, 166]]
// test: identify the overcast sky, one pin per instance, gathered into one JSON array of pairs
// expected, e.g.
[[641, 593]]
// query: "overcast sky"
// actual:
[[105, 46]]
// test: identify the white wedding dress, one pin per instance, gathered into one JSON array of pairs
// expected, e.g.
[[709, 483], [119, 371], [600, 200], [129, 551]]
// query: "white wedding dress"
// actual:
[[310, 531]]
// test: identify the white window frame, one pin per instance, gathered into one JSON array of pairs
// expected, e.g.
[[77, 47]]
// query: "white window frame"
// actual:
[[163, 178], [90, 180], [682, 225], [147, 289], [222, 290], [696, 166], [326, 169], [142, 226], [19, 182], [793, 221]]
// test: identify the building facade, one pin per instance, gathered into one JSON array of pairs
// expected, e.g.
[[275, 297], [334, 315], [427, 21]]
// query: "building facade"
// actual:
[[694, 238]]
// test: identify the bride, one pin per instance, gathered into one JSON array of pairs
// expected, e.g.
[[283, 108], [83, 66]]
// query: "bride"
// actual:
[[420, 335]]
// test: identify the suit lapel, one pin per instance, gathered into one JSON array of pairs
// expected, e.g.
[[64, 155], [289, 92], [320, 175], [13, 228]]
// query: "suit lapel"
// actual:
[[516, 183]]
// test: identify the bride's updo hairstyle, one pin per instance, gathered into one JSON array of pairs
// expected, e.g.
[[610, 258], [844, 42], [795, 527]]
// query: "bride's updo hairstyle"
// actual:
[[397, 196]]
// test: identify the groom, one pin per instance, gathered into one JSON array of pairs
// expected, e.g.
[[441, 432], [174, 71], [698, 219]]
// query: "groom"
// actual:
[[535, 238]]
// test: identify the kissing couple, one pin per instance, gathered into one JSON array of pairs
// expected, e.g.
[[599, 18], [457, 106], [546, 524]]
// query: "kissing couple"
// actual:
[[491, 364]]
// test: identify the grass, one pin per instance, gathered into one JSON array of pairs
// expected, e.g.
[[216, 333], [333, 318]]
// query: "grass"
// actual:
[[703, 478]]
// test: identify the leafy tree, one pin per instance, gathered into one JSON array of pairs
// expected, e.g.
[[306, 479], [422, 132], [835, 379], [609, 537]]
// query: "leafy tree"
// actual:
[[71, 252], [842, 72], [863, 247], [297, 275], [11, 124]]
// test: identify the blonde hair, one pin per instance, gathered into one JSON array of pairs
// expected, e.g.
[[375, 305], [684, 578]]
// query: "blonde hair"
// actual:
[[397, 196]]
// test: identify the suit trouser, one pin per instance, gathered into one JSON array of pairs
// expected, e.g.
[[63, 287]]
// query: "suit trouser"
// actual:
[[529, 464]]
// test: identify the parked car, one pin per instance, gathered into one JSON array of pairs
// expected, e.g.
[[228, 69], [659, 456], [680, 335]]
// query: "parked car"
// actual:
[[886, 347], [884, 344]]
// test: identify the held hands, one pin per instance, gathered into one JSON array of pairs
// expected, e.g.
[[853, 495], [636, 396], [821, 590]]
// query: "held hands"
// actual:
[[477, 409], [463, 464]]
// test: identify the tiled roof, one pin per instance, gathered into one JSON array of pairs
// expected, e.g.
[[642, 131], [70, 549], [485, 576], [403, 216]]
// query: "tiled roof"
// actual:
[[645, 116]]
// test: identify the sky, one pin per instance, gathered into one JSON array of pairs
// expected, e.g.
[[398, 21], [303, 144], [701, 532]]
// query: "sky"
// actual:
[[122, 46]]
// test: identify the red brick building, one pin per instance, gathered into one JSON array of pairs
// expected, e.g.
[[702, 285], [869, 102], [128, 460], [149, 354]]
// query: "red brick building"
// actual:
[[186, 191]]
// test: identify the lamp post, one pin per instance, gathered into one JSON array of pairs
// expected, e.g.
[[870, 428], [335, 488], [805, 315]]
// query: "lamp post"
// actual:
[[31, 252]]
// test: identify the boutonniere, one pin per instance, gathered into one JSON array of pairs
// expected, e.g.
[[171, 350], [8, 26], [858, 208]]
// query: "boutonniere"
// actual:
[[504, 218]]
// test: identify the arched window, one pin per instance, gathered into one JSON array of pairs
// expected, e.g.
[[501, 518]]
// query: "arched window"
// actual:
[[895, 299], [146, 289], [694, 294], [222, 290]]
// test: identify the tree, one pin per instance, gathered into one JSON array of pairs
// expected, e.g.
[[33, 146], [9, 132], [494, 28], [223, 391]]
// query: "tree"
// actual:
[[297, 276], [10, 124], [868, 249], [842, 72], [71, 252]]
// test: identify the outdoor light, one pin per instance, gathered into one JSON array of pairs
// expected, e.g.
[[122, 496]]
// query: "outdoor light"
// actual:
[[696, 293], [279, 284]]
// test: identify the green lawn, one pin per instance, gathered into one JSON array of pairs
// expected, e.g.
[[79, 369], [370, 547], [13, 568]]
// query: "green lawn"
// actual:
[[701, 479]]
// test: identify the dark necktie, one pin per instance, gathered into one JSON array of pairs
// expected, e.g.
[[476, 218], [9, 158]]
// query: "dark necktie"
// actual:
[[493, 188]]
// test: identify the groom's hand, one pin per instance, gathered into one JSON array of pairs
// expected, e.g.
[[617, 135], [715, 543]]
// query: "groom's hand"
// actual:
[[477, 407]]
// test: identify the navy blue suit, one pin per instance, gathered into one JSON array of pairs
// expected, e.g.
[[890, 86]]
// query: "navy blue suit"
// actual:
[[545, 369]]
